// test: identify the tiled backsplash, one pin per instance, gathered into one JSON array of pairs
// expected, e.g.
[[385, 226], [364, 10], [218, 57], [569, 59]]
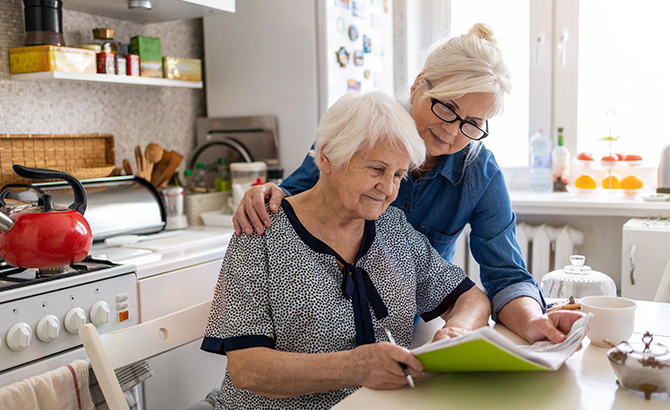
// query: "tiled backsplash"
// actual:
[[133, 114]]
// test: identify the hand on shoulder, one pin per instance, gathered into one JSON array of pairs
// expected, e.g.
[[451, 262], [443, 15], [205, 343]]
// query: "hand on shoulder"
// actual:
[[251, 213]]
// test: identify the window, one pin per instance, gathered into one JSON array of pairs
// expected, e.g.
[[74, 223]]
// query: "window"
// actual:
[[595, 67], [508, 132]]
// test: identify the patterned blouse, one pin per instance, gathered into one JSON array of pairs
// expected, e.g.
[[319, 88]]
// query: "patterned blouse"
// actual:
[[283, 290]]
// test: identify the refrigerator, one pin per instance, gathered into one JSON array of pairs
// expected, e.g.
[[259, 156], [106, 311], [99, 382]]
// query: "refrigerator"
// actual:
[[293, 59]]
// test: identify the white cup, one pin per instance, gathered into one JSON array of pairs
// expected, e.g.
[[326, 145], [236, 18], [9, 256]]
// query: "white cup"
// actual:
[[613, 319]]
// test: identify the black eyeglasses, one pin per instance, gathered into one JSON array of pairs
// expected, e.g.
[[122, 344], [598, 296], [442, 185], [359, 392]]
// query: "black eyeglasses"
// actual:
[[446, 113]]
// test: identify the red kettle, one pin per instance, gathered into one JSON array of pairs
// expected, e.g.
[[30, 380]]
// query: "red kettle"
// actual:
[[44, 235]]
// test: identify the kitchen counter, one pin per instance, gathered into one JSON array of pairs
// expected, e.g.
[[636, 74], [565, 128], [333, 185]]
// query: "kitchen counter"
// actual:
[[586, 381], [599, 203]]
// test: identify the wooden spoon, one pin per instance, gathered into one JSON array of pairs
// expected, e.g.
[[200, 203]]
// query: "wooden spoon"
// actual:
[[141, 162], [175, 160], [153, 153], [127, 167], [159, 168]]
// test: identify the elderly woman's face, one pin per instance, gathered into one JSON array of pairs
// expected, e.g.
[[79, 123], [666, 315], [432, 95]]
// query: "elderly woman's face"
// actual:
[[368, 185], [443, 138]]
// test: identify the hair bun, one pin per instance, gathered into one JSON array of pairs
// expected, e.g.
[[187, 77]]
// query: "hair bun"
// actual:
[[482, 31]]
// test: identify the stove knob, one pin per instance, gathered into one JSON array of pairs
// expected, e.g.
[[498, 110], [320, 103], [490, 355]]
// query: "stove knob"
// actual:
[[100, 313], [74, 319], [48, 328], [19, 336]]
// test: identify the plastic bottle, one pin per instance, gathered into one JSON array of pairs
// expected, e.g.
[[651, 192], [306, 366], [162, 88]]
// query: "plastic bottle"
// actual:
[[199, 179], [540, 162], [187, 181], [222, 183]]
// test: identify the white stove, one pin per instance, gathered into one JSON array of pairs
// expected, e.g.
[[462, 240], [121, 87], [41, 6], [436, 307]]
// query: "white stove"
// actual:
[[40, 313]]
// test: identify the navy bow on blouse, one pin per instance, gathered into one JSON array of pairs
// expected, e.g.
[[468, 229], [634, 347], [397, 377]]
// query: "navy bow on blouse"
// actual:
[[356, 285]]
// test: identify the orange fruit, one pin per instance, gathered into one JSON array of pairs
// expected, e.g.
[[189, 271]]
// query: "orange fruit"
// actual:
[[631, 182], [614, 178], [586, 182]]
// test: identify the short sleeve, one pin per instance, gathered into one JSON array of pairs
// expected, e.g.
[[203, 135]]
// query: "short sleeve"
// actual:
[[240, 314], [438, 283]]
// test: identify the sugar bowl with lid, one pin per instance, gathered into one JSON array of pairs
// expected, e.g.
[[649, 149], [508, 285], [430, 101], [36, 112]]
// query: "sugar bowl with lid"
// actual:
[[642, 366]]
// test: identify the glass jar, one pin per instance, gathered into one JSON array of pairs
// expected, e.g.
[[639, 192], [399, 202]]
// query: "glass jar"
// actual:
[[245, 174], [577, 280]]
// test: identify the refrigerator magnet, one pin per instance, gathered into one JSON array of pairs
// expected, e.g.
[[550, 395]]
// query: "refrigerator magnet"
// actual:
[[367, 44], [341, 24], [342, 56], [353, 85], [358, 9], [359, 58], [342, 3], [375, 20], [353, 33]]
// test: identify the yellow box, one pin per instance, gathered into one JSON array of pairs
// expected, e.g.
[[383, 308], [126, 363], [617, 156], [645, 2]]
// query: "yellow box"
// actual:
[[185, 69], [51, 58]]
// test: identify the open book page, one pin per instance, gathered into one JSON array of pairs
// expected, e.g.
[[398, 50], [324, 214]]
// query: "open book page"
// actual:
[[486, 349]]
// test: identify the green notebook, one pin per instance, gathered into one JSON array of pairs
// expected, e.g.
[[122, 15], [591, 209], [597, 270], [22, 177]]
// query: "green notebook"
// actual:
[[486, 349]]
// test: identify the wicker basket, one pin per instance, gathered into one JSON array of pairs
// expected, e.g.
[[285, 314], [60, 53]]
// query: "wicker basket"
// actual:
[[195, 204], [84, 156]]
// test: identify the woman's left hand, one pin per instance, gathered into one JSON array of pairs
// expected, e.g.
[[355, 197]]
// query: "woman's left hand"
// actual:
[[553, 326], [449, 332]]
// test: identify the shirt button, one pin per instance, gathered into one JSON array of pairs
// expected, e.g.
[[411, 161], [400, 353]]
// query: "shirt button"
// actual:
[[420, 181], [407, 207]]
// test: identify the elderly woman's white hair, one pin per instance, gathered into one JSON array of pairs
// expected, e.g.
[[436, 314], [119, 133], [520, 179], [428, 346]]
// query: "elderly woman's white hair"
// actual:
[[356, 122]]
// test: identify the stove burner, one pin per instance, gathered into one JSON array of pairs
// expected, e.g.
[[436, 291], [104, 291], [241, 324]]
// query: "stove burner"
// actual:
[[11, 277], [48, 272]]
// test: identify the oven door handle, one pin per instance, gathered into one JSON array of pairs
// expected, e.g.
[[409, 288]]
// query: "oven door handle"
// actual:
[[631, 274]]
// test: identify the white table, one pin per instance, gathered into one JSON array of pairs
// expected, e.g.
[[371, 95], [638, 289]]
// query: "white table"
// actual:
[[586, 381]]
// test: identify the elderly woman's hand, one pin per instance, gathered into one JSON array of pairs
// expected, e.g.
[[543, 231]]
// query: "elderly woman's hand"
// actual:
[[449, 332], [553, 326], [252, 208], [379, 365]]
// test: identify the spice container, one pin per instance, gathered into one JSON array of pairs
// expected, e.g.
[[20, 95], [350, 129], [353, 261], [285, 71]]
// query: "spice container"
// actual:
[[106, 63], [120, 65], [105, 37], [132, 64]]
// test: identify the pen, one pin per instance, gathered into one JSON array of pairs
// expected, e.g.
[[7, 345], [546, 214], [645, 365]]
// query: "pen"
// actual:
[[408, 376]]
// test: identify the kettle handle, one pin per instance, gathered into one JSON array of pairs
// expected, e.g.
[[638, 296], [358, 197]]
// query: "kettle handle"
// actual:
[[79, 203]]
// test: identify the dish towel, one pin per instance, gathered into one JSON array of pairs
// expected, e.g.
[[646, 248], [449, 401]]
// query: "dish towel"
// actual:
[[129, 378], [65, 388]]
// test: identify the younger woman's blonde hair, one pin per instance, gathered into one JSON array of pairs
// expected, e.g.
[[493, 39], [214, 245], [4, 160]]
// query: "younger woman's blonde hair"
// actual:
[[469, 63]]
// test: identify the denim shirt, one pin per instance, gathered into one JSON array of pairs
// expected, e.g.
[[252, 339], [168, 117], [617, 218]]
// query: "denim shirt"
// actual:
[[442, 201]]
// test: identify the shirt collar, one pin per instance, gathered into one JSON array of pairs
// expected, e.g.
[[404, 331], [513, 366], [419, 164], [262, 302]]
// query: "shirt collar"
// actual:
[[450, 166]]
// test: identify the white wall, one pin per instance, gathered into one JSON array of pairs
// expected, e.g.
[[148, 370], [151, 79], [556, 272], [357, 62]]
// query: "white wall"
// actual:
[[262, 61]]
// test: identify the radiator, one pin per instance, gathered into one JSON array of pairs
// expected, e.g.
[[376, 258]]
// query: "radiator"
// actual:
[[545, 248]]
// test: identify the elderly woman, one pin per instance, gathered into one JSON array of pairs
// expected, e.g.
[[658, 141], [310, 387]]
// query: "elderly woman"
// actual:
[[300, 310], [462, 85]]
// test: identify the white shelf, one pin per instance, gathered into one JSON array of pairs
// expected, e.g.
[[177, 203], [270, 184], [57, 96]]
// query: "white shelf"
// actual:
[[105, 78], [162, 10], [596, 204]]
